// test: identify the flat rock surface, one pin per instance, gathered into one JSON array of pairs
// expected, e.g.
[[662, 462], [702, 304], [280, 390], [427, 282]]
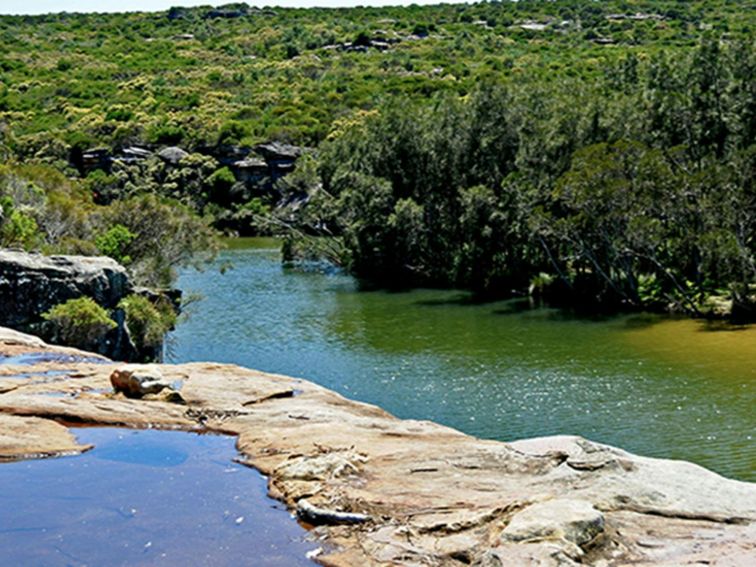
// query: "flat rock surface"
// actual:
[[385, 491], [33, 437]]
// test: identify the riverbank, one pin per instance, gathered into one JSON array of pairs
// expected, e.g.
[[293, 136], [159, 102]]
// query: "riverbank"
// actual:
[[391, 491], [654, 385]]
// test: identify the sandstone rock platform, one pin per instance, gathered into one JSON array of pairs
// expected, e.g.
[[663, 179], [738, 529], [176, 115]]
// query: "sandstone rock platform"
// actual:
[[383, 491]]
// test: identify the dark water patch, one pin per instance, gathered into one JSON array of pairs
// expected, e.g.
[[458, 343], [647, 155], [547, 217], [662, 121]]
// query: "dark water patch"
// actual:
[[144, 497]]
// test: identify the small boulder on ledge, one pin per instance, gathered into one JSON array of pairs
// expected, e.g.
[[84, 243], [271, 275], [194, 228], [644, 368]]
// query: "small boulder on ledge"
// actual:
[[139, 382]]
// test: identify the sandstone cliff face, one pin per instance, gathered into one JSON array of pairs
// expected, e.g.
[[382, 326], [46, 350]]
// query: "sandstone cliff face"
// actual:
[[385, 491], [31, 284]]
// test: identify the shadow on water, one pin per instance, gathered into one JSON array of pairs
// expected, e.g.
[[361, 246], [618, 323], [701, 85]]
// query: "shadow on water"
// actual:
[[723, 327], [145, 497], [461, 298]]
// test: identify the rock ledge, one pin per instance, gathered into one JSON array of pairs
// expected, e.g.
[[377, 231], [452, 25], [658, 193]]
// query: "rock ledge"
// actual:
[[385, 491]]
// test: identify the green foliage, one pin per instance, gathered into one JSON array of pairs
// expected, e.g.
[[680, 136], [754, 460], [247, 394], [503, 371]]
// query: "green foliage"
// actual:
[[232, 132], [181, 76], [168, 235], [610, 144], [221, 182], [119, 114], [102, 186], [256, 206], [166, 133], [147, 322], [115, 242], [489, 192], [17, 229], [44, 209], [79, 322]]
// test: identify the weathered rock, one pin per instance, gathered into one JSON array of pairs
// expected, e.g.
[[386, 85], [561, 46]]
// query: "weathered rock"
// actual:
[[226, 13], [131, 155], [94, 158], [424, 494], [172, 155], [31, 284], [32, 437], [575, 521], [321, 516], [15, 343], [526, 554], [139, 382], [278, 151]]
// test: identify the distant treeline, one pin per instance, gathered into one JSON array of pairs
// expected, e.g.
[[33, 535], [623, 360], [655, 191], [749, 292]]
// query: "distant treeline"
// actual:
[[635, 190]]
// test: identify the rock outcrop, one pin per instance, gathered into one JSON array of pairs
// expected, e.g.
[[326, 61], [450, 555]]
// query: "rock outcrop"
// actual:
[[172, 155], [31, 284], [385, 491]]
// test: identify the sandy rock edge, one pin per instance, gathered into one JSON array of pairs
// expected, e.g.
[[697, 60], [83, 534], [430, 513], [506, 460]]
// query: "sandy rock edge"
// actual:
[[385, 491]]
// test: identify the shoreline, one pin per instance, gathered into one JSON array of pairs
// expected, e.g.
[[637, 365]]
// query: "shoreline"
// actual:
[[392, 491]]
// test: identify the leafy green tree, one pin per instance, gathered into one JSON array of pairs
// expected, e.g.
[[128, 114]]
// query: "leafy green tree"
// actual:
[[115, 242], [168, 233]]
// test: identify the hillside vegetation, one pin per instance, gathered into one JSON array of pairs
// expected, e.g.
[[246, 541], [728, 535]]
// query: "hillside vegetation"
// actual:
[[589, 151]]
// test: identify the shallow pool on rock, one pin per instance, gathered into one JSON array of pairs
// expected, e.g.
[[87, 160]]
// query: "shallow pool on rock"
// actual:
[[144, 497]]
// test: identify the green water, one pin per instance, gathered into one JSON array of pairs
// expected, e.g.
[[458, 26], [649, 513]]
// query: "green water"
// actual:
[[652, 385]]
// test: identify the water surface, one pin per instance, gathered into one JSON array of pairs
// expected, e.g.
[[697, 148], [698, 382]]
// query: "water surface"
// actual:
[[653, 385], [144, 498]]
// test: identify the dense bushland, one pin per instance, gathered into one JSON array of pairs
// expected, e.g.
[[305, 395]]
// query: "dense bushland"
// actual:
[[189, 77], [596, 151], [636, 189], [41, 209]]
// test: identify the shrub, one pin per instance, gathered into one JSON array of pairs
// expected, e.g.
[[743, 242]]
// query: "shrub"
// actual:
[[19, 230], [220, 183], [232, 132], [166, 133], [256, 206], [115, 243], [102, 186], [147, 322], [79, 322], [169, 235], [64, 65], [119, 114]]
